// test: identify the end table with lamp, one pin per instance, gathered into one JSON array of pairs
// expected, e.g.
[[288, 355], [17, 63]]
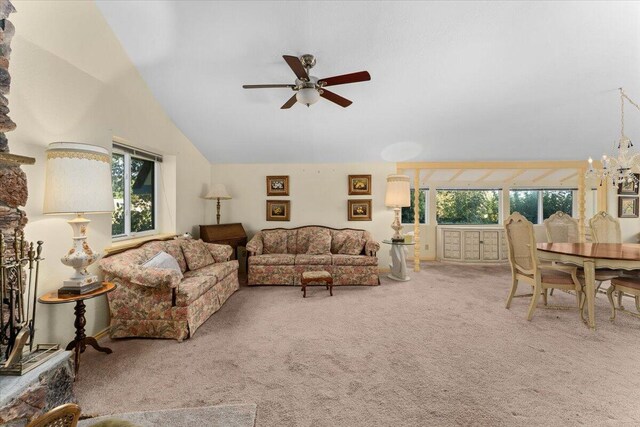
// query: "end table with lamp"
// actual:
[[80, 342], [398, 260]]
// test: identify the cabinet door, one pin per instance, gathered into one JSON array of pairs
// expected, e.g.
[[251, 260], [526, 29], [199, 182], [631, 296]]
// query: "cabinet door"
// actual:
[[472, 245], [451, 244], [504, 250], [490, 245]]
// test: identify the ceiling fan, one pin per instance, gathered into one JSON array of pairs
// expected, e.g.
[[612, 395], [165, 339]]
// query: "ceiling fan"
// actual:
[[309, 88]]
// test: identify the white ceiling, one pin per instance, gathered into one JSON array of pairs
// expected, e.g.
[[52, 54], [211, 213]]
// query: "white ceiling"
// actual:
[[450, 80]]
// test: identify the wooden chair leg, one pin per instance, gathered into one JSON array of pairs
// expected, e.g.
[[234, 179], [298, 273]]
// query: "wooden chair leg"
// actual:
[[620, 306], [551, 293], [534, 301], [613, 306], [638, 303], [514, 286], [544, 295], [579, 298]]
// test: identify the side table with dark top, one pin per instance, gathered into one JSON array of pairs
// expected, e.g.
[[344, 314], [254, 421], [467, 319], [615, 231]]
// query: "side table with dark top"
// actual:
[[80, 342], [226, 234]]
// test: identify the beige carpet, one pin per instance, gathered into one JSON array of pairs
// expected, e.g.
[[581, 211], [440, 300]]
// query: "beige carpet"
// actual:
[[209, 416], [440, 349]]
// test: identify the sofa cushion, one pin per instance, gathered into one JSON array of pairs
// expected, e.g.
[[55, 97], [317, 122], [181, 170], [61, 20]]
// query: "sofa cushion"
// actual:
[[305, 259], [274, 241], [272, 259], [163, 260], [218, 270], [313, 241], [196, 253], [192, 288], [173, 248], [347, 242], [354, 260]]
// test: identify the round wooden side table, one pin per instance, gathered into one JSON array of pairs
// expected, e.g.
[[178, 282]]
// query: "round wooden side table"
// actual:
[[80, 342]]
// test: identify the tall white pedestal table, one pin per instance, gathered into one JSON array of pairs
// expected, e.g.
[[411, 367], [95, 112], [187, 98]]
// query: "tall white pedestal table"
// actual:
[[398, 264]]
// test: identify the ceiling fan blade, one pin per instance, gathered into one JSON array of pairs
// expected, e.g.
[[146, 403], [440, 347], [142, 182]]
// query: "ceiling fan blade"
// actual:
[[266, 86], [343, 102], [360, 76], [296, 66], [289, 103]]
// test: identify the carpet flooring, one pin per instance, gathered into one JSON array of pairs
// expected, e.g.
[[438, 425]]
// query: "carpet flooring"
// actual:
[[440, 350], [209, 416]]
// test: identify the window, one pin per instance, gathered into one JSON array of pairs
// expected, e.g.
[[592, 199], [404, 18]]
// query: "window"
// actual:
[[407, 213], [133, 178], [467, 206], [538, 205]]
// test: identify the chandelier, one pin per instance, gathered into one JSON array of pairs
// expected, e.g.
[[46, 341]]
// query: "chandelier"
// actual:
[[619, 169]]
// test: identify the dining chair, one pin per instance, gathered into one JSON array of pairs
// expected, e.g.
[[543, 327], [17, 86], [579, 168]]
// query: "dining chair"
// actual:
[[628, 285], [562, 228], [606, 229], [526, 267], [66, 415]]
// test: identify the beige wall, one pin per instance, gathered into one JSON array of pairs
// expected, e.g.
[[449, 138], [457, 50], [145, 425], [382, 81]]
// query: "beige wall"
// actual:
[[318, 194], [71, 81]]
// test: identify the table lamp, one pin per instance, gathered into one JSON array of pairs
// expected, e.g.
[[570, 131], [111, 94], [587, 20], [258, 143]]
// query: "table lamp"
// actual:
[[218, 192], [78, 181], [398, 196]]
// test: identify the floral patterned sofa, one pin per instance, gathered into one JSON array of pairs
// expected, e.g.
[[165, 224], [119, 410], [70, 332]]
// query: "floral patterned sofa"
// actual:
[[163, 303], [279, 256]]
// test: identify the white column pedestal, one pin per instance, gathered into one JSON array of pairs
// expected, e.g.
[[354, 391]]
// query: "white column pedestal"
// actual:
[[399, 263]]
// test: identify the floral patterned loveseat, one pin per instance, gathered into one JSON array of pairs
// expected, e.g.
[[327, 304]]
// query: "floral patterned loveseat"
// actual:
[[163, 303], [279, 256]]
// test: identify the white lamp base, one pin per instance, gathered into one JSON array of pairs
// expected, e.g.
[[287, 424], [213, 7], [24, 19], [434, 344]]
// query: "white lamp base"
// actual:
[[80, 257]]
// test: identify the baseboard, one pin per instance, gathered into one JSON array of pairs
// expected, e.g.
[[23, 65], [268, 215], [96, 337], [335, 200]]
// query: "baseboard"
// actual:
[[103, 333], [384, 269]]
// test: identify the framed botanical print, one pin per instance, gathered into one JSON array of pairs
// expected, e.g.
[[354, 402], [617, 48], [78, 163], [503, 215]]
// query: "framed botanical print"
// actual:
[[278, 210], [359, 210], [278, 185], [629, 187], [627, 207], [359, 185]]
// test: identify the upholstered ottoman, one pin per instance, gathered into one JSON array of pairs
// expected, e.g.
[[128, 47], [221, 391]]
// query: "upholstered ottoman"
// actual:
[[316, 277]]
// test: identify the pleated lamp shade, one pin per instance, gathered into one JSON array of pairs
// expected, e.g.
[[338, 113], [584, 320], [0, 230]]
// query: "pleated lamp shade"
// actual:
[[398, 191]]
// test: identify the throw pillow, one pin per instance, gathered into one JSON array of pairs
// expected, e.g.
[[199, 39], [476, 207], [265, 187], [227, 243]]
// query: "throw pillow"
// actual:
[[196, 254], [348, 243], [313, 241], [163, 260], [274, 242]]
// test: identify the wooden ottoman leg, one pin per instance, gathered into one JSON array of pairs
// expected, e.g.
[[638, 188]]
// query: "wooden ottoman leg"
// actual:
[[304, 290], [330, 290]]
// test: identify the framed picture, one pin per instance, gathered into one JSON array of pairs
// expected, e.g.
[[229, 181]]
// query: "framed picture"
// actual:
[[278, 185], [627, 207], [359, 210], [629, 187], [359, 185], [278, 210]]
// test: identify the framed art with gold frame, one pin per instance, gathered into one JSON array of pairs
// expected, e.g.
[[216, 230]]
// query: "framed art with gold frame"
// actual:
[[278, 185], [359, 210], [359, 185], [278, 210]]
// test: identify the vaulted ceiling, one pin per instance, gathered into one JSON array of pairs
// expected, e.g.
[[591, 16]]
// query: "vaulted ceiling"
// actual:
[[450, 80]]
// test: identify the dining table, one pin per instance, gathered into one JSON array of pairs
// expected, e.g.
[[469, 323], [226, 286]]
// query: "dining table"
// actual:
[[591, 256]]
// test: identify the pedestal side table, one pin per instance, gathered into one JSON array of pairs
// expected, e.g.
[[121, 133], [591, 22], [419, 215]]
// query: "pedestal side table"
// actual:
[[398, 260], [80, 342]]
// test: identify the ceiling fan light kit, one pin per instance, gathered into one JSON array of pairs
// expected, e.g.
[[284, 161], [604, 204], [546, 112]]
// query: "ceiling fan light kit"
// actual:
[[309, 89]]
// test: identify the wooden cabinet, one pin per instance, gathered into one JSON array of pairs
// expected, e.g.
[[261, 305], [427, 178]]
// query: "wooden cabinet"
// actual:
[[225, 234], [471, 244]]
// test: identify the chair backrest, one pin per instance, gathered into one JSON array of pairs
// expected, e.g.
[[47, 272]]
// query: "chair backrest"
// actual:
[[605, 228], [522, 243], [66, 415], [561, 228]]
